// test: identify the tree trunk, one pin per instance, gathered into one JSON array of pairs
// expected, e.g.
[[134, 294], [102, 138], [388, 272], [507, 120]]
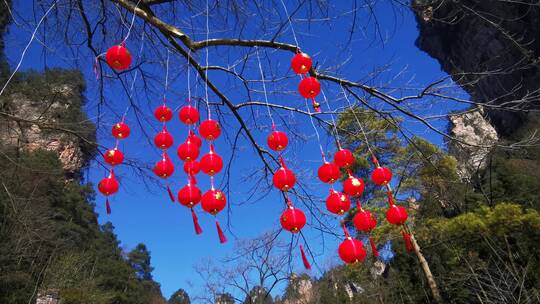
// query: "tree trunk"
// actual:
[[427, 271]]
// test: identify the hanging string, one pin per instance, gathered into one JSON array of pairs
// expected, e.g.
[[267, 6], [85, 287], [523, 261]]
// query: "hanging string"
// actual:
[[132, 22], [290, 22], [368, 145], [166, 75], [334, 125], [206, 68], [316, 131], [264, 88], [189, 76]]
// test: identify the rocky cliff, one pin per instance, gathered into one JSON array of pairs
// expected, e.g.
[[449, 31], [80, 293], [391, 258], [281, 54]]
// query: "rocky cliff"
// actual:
[[490, 48]]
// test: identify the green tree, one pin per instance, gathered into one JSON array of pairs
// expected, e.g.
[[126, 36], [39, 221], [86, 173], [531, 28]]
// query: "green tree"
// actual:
[[139, 259], [179, 297]]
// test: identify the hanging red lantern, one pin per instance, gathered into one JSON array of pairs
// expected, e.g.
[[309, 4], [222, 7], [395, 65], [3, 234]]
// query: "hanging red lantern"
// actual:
[[213, 201], [108, 185], [337, 202], [188, 151], [352, 251], [189, 195], [163, 139], [301, 63], [364, 221], [164, 167], [209, 129], [192, 167], [277, 140], [396, 215], [113, 157], [284, 179], [120, 130], [293, 219], [309, 87], [211, 162], [194, 139], [344, 158], [381, 176], [163, 113], [189, 115], [329, 173], [118, 57], [353, 186]]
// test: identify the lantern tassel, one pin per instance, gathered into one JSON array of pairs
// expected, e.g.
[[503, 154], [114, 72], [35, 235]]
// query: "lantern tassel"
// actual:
[[170, 193], [390, 198], [198, 229], [373, 247], [108, 206], [222, 238], [407, 240], [304, 258]]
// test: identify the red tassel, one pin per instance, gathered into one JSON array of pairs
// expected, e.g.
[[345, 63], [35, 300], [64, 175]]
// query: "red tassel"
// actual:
[[407, 240], [304, 258], [170, 193], [373, 247], [108, 206], [222, 238], [198, 229]]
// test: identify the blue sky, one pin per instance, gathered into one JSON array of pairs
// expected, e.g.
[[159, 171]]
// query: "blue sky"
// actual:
[[143, 213]]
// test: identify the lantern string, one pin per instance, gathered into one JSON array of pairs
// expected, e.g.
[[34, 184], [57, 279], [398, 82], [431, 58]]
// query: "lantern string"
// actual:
[[368, 145], [338, 141], [166, 77], [264, 88], [290, 23], [206, 68], [132, 22], [315, 129], [189, 78]]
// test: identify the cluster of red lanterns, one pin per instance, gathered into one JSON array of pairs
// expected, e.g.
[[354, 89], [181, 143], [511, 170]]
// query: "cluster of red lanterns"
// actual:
[[163, 140], [113, 157], [309, 86], [292, 219], [213, 201]]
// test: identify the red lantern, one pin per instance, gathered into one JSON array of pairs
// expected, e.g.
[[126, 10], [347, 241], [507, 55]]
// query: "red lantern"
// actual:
[[213, 201], [292, 219], [353, 186], [163, 139], [120, 130], [194, 139], [164, 167], [396, 215], [211, 162], [344, 158], [209, 129], [352, 251], [337, 202], [108, 185], [163, 113], [118, 57], [329, 173], [364, 221], [188, 151], [284, 179], [189, 195], [381, 176], [277, 140], [301, 63], [192, 167], [113, 157], [309, 87], [189, 115]]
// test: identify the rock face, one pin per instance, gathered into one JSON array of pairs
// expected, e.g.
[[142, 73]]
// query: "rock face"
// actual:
[[475, 130], [490, 48], [43, 111]]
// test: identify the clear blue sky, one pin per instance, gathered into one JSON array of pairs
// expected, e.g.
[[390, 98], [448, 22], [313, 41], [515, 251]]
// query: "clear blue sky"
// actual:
[[143, 213]]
